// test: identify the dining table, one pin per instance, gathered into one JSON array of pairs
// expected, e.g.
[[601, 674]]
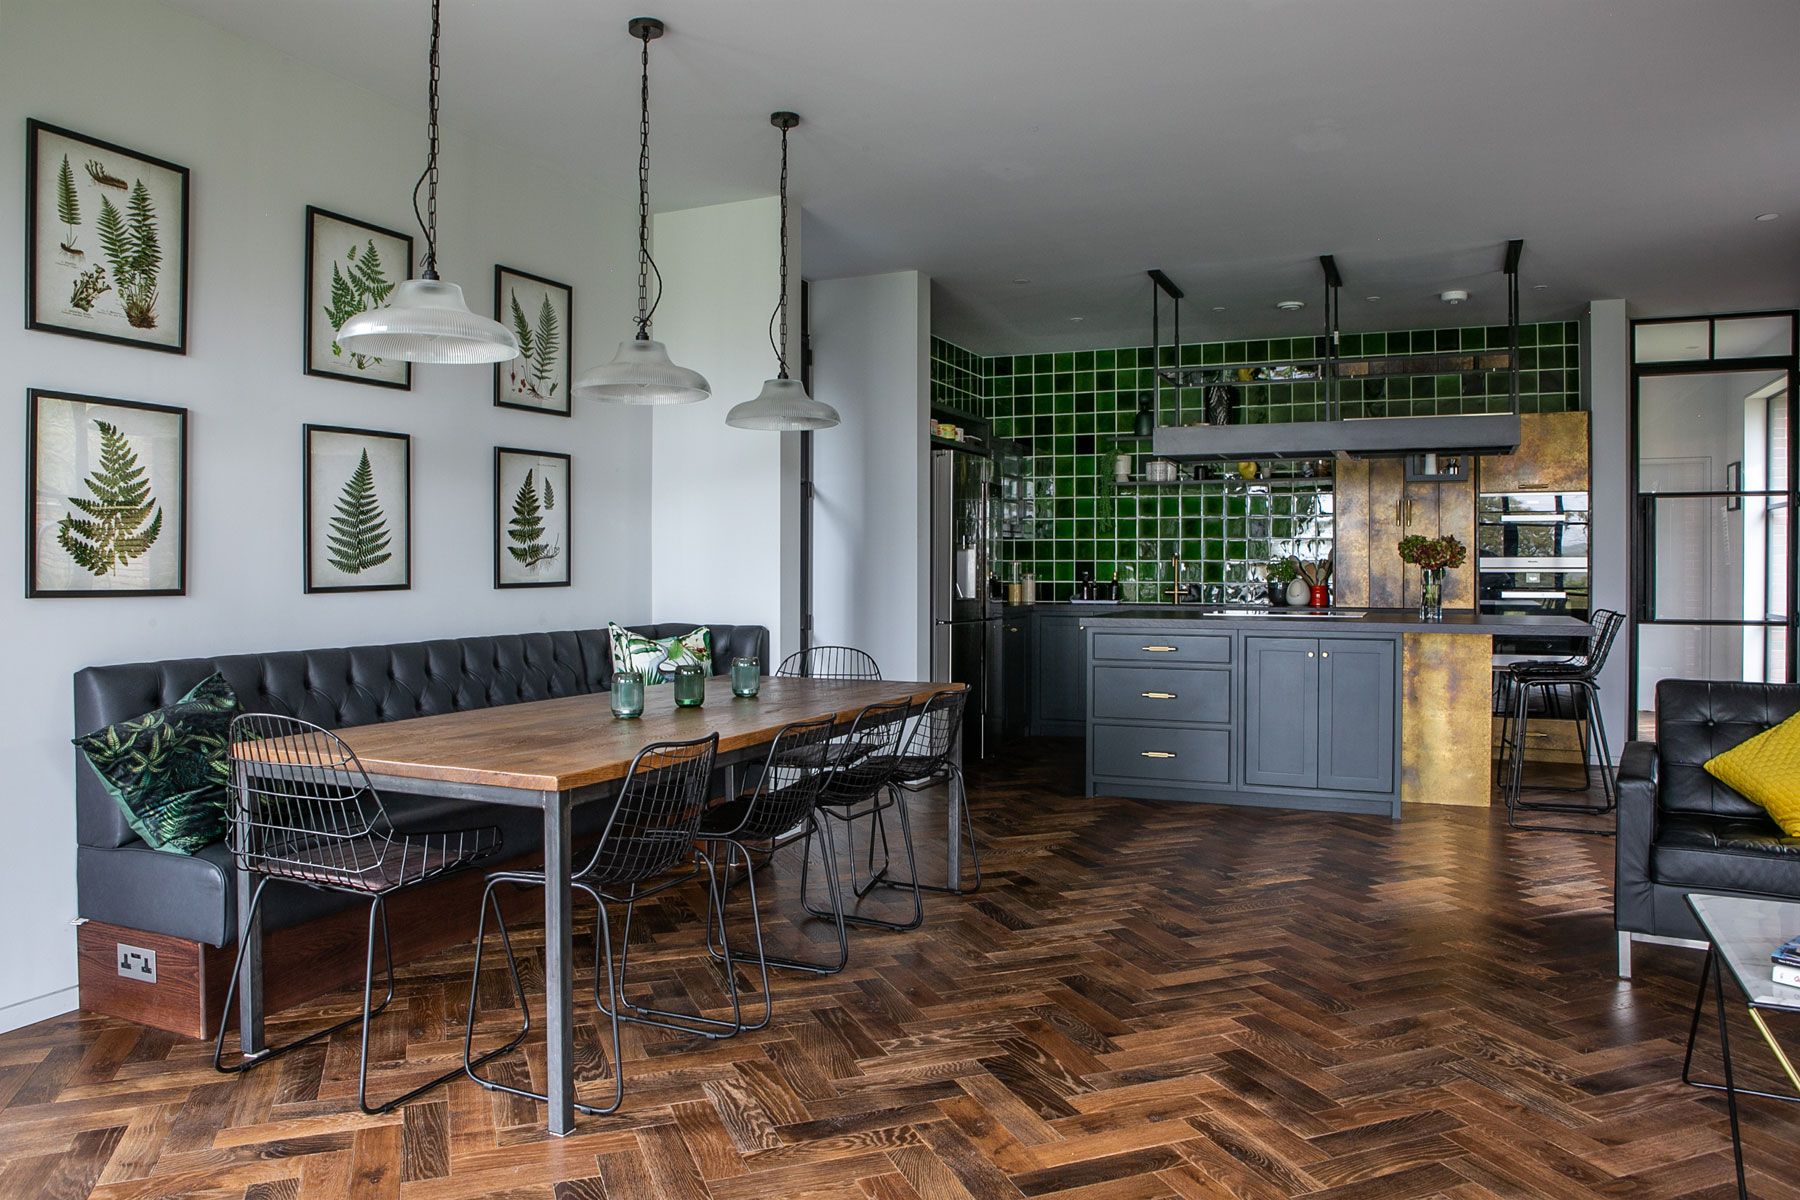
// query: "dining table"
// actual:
[[552, 755]]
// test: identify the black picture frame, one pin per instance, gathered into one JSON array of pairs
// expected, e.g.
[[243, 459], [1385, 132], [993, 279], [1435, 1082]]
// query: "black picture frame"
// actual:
[[344, 367], [511, 570], [40, 514], [321, 573], [513, 380], [98, 321]]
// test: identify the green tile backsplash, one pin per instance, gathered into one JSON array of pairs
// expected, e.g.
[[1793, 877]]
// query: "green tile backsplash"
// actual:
[[1072, 412]]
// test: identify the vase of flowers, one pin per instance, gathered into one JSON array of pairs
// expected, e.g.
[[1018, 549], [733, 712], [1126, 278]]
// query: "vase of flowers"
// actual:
[[1435, 558]]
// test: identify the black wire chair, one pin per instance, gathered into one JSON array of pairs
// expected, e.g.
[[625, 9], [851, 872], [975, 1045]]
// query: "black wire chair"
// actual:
[[862, 764], [829, 662], [782, 800], [302, 811], [926, 760], [651, 831], [1579, 676]]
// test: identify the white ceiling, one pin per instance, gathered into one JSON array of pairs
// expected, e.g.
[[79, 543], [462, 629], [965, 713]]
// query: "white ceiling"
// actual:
[[1076, 143]]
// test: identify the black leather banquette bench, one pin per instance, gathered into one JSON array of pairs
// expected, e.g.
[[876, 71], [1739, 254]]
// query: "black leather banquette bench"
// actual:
[[184, 907], [1680, 829]]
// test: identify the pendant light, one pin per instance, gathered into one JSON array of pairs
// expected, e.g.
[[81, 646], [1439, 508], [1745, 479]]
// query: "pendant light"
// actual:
[[783, 405], [641, 373], [428, 320]]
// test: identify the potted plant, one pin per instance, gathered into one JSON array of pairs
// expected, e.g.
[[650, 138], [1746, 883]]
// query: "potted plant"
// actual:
[[1280, 573], [1434, 557]]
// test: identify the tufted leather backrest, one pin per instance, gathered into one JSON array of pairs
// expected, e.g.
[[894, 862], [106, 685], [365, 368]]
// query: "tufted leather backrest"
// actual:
[[360, 685], [1697, 719]]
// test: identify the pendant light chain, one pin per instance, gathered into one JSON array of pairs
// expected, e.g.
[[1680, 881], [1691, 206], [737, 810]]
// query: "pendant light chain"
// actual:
[[782, 307], [428, 219], [646, 264]]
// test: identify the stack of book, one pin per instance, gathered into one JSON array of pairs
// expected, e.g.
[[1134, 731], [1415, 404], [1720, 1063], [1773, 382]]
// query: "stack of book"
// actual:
[[1786, 958]]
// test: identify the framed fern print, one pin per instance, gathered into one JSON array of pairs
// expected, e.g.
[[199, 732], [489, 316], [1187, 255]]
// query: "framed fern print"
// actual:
[[531, 518], [351, 267], [539, 312], [358, 510], [106, 241], [106, 484]]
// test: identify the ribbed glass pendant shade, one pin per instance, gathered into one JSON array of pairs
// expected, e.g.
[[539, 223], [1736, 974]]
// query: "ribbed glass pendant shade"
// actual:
[[783, 407], [428, 322], [641, 373]]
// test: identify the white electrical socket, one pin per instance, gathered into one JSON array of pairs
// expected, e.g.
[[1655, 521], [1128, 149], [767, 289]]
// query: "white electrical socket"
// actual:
[[137, 963]]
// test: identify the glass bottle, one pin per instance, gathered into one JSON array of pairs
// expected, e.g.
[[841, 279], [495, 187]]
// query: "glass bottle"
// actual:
[[746, 677], [628, 694], [690, 685]]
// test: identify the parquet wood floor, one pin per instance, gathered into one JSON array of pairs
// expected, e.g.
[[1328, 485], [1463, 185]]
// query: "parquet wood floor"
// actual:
[[1146, 1000]]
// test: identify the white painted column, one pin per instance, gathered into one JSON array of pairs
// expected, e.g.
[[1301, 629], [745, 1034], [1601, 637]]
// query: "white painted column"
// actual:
[[1606, 388], [871, 533]]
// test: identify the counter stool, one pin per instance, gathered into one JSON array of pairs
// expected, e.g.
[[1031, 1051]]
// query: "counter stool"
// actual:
[[1579, 678]]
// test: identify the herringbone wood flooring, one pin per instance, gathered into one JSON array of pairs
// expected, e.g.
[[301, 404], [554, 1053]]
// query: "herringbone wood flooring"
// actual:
[[1146, 1000]]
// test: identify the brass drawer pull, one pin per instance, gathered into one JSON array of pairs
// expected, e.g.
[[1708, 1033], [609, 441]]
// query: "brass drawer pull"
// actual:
[[1156, 753], [1158, 695], [1157, 649]]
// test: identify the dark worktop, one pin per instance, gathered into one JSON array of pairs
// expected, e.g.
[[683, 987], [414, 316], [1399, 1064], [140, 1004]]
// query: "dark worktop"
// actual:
[[1195, 617]]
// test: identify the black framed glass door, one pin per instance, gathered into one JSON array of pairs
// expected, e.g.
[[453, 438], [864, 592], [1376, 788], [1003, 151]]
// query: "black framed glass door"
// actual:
[[1713, 404]]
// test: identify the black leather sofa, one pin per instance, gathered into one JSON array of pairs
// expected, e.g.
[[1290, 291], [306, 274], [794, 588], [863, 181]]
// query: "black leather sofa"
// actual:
[[122, 882], [1681, 830]]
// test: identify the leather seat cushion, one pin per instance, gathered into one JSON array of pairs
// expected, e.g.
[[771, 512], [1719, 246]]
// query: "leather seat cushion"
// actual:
[[1748, 854]]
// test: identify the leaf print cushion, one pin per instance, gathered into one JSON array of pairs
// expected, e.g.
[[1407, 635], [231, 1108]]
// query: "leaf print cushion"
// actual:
[[168, 769], [635, 652]]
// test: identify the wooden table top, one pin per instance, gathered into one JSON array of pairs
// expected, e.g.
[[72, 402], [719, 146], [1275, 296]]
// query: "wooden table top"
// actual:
[[557, 745]]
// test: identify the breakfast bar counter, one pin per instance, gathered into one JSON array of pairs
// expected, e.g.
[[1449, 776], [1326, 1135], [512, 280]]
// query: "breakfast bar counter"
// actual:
[[1346, 710]]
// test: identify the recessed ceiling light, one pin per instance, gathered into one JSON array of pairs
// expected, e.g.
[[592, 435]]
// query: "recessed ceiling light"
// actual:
[[1077, 318], [1453, 296], [1290, 305], [1767, 216], [1538, 287], [1371, 299], [1021, 281], [1218, 308]]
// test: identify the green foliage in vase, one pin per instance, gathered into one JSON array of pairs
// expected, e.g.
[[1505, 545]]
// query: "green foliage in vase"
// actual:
[[118, 525], [544, 345], [132, 248], [526, 529], [68, 205], [88, 286], [359, 534], [357, 285]]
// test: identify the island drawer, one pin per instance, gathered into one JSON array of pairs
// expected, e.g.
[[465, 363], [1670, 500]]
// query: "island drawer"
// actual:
[[1162, 648], [1197, 694], [1169, 755]]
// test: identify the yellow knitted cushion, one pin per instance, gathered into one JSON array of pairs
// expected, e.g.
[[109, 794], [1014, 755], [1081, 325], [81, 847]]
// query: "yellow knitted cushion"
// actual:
[[1766, 769]]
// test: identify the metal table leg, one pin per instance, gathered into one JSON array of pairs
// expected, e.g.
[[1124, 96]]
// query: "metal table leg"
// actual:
[[559, 981], [953, 832], [250, 987], [1737, 1141]]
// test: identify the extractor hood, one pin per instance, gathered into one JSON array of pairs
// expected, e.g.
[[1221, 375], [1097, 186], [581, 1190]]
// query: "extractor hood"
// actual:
[[1361, 437]]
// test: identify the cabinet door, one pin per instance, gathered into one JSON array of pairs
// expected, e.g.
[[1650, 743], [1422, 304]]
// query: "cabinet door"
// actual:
[[1356, 715], [1281, 712], [1015, 677], [1061, 693], [1552, 456]]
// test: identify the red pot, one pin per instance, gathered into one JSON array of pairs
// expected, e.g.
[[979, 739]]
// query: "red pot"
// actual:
[[1321, 596]]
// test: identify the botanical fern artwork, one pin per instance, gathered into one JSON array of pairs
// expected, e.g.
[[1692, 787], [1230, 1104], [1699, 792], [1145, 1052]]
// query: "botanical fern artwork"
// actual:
[[531, 518], [352, 267], [107, 495], [128, 282], [357, 509], [537, 311]]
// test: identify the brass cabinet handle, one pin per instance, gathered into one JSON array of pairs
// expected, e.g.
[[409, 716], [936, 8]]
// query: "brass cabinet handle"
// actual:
[[1158, 695], [1012, 629], [1157, 649], [1156, 753]]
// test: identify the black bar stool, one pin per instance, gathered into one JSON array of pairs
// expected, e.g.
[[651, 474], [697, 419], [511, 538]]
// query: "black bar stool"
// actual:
[[1578, 679]]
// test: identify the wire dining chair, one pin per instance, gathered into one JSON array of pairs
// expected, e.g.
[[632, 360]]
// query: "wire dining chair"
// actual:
[[782, 799], [650, 832], [1580, 677], [829, 662], [927, 759], [302, 811], [862, 764]]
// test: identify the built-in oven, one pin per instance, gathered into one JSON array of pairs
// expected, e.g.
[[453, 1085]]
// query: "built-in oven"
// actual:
[[1531, 555]]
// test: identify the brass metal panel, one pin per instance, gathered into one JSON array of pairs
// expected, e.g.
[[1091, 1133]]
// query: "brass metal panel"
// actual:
[[1552, 456], [1387, 517], [1456, 515], [1350, 546], [1446, 723]]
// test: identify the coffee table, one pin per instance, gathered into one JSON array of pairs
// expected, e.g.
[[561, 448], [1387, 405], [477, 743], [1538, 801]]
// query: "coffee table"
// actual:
[[1741, 932]]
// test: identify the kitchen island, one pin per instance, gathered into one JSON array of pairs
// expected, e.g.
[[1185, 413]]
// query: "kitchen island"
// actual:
[[1341, 710]]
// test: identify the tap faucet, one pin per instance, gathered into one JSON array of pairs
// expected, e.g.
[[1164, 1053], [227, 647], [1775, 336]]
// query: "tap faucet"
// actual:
[[1175, 562]]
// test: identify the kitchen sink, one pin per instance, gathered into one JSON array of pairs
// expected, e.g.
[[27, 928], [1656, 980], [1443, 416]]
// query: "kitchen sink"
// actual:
[[1303, 614]]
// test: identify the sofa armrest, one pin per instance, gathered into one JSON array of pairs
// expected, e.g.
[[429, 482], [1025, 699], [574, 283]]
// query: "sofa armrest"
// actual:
[[1633, 900]]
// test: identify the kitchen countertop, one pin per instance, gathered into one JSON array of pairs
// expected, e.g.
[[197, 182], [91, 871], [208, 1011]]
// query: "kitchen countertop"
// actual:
[[1195, 617]]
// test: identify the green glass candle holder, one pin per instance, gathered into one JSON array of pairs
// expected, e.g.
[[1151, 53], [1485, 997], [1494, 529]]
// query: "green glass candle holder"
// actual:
[[746, 677], [690, 685], [628, 694]]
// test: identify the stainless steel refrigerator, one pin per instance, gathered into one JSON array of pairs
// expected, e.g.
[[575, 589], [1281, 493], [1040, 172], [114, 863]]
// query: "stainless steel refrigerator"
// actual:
[[965, 619]]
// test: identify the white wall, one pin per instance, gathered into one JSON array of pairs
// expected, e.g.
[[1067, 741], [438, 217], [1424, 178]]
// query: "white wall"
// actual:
[[264, 137], [1606, 381], [726, 519], [872, 474]]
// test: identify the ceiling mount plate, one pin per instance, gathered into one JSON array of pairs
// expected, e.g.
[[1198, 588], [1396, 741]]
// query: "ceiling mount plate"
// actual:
[[784, 120], [645, 29]]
